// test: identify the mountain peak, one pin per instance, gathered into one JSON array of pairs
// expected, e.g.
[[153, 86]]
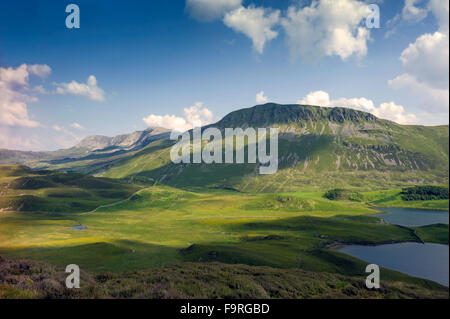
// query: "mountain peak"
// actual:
[[265, 115], [157, 129]]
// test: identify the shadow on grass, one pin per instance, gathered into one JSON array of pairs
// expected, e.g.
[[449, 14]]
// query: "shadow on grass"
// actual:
[[113, 256]]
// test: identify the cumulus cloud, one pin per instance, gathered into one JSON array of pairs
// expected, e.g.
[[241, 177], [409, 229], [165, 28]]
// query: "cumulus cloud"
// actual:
[[319, 98], [89, 90], [208, 10], [261, 98], [427, 59], [256, 23], [425, 63], [194, 116], [327, 28], [40, 70], [15, 94], [387, 110], [394, 112], [324, 28], [440, 9]]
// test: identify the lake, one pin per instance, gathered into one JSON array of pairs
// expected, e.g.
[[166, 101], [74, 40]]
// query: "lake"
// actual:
[[430, 261], [79, 227], [413, 217]]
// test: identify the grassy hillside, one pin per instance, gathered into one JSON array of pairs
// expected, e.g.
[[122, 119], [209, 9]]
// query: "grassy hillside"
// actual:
[[393, 198], [22, 189], [28, 279]]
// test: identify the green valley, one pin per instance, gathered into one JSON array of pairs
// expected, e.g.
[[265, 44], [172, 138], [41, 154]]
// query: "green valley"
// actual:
[[125, 210]]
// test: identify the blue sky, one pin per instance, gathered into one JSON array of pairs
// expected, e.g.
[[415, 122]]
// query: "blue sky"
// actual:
[[175, 62]]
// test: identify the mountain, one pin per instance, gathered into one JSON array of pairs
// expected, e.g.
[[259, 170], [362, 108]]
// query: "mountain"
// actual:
[[90, 147], [125, 142], [319, 148], [20, 157]]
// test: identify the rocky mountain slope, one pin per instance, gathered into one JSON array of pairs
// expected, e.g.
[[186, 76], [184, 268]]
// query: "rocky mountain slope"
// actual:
[[126, 141], [318, 148]]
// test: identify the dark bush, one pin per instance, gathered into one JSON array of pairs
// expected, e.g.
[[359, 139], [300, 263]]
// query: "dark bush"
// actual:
[[343, 194], [424, 193]]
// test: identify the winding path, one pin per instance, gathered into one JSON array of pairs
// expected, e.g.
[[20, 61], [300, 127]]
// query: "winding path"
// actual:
[[116, 203]]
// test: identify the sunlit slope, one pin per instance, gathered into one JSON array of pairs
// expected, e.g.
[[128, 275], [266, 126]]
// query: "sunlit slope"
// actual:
[[318, 148], [161, 225], [22, 189]]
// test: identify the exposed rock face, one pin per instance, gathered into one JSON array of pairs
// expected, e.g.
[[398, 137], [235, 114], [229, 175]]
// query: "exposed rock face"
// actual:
[[94, 142], [271, 113], [125, 141]]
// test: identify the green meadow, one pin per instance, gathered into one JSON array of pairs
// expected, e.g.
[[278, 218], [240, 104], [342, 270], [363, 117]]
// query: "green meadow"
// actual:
[[154, 226]]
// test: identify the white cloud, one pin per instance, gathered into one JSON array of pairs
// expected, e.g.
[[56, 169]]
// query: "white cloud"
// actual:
[[394, 112], [427, 59], [40, 70], [433, 99], [387, 110], [261, 98], [319, 98], [255, 23], [77, 126], [171, 122], [209, 10], [327, 28], [195, 116], [15, 94], [57, 128], [17, 75], [89, 90], [411, 12], [440, 9], [425, 64]]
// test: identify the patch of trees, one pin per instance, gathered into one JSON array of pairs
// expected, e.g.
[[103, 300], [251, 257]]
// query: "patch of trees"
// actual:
[[424, 193], [343, 194]]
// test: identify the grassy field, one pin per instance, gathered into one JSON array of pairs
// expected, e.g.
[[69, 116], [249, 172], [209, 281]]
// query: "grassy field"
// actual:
[[157, 226], [392, 198], [161, 226]]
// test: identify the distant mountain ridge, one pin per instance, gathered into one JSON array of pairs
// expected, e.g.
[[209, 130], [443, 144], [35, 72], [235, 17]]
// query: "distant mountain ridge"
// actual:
[[124, 141], [95, 144]]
